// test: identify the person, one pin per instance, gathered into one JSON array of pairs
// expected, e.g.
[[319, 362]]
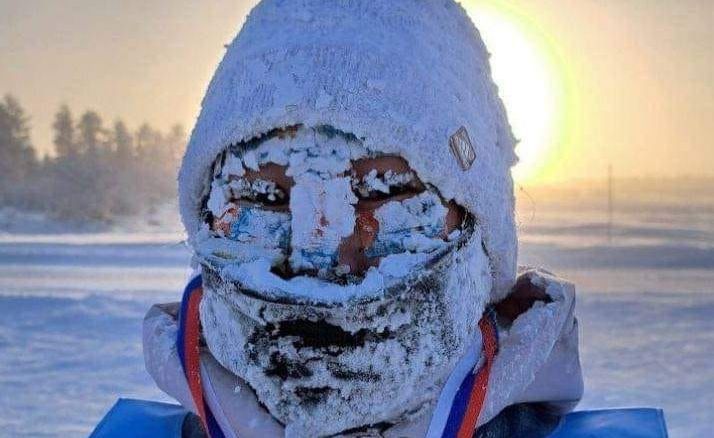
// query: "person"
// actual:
[[349, 204]]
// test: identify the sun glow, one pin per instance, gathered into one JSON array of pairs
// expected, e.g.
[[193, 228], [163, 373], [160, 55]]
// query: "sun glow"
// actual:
[[529, 81]]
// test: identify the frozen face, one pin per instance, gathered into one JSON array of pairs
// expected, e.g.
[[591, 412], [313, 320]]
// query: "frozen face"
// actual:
[[339, 286]]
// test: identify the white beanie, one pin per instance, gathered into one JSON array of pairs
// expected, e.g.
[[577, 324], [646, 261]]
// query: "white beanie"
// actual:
[[403, 76]]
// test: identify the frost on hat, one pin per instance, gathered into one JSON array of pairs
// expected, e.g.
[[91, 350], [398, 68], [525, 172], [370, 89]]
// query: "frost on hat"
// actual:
[[403, 76]]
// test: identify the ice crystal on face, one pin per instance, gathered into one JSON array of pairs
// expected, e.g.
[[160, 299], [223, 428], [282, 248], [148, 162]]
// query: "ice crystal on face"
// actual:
[[250, 161], [323, 215], [373, 182], [242, 189], [415, 225], [365, 349], [233, 167], [322, 201], [217, 198], [260, 227]]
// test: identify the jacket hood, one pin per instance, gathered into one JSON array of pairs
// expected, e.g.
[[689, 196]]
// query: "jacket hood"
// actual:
[[403, 76], [537, 362]]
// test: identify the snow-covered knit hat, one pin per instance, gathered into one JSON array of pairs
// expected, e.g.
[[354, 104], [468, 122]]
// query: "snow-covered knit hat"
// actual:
[[403, 76]]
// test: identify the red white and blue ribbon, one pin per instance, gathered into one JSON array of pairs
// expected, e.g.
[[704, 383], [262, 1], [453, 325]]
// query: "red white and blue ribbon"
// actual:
[[189, 352], [465, 402], [455, 416]]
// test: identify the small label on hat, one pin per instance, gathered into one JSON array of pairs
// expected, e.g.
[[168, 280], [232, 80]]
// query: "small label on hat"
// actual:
[[461, 147]]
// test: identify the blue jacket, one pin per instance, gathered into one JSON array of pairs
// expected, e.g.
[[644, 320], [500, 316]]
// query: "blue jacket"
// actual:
[[140, 418]]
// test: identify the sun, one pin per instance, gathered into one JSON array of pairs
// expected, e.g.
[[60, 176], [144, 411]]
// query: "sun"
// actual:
[[528, 83]]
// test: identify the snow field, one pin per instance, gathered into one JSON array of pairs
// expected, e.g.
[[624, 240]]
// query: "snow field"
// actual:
[[70, 326]]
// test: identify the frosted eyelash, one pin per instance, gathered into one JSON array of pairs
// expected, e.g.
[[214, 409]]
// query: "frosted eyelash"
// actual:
[[243, 189], [374, 183]]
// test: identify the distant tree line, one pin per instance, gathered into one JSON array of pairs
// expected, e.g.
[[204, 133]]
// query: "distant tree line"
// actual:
[[96, 172]]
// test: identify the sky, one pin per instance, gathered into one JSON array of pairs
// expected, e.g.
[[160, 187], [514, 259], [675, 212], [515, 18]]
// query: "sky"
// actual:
[[587, 83]]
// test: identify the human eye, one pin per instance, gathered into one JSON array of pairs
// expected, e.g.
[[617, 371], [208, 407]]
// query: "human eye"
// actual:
[[381, 180], [259, 191], [268, 187]]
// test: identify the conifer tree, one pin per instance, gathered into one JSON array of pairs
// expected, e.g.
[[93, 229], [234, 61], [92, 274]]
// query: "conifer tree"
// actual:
[[90, 132], [64, 138], [123, 142], [17, 155]]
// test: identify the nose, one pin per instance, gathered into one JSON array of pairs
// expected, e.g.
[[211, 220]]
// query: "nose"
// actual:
[[352, 253], [323, 217]]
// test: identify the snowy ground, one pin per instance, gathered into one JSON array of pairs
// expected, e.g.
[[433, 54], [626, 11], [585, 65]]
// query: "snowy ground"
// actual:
[[72, 306]]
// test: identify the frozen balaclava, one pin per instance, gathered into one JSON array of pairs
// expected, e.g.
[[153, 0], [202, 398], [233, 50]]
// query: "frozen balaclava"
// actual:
[[347, 193]]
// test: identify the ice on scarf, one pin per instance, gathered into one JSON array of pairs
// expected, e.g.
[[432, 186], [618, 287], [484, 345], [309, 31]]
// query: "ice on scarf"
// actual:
[[220, 252], [396, 367], [254, 273]]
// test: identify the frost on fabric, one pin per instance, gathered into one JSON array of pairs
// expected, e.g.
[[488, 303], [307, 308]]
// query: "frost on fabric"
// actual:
[[325, 355], [254, 274], [325, 369]]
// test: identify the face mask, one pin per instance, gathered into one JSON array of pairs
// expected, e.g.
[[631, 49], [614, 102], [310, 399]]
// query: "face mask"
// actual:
[[344, 299]]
